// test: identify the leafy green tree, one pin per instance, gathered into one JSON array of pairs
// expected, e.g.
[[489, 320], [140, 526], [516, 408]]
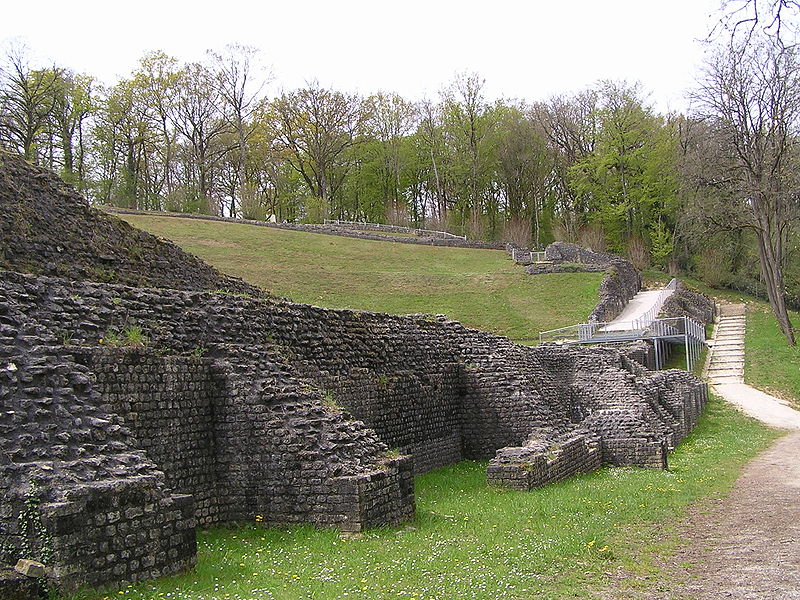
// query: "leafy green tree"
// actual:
[[315, 128], [629, 180]]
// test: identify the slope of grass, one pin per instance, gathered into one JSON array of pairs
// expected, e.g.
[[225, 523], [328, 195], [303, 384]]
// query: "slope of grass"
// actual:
[[470, 540], [770, 364], [480, 288]]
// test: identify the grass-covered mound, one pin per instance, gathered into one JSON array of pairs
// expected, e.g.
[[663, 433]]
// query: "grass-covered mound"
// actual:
[[480, 288], [48, 228]]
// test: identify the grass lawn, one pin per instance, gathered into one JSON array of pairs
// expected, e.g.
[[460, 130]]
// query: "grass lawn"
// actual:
[[480, 288], [770, 364], [470, 540]]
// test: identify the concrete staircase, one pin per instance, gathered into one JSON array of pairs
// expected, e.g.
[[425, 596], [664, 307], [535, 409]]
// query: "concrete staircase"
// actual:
[[727, 355]]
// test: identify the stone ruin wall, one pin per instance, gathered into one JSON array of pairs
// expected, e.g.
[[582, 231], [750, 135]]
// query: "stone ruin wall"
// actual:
[[241, 405], [223, 431], [621, 283]]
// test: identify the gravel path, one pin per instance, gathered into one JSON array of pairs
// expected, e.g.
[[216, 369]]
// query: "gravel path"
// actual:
[[745, 546]]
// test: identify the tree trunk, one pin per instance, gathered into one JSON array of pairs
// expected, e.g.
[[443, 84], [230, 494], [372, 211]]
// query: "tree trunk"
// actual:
[[771, 267]]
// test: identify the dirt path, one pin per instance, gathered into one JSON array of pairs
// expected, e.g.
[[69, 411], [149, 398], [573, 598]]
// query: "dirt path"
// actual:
[[745, 546]]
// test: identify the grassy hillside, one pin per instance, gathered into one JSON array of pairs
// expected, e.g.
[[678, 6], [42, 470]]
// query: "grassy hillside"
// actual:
[[480, 288]]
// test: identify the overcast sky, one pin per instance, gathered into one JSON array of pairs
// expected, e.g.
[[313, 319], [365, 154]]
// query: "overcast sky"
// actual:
[[527, 50]]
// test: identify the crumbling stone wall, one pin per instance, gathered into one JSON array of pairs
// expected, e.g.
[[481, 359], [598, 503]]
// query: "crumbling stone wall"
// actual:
[[685, 302], [47, 228], [76, 490], [325, 230], [168, 403], [621, 283], [241, 405]]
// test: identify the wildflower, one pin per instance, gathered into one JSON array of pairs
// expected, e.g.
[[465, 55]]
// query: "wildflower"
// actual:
[[591, 544]]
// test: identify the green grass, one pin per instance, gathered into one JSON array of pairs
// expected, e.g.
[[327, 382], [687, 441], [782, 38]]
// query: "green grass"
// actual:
[[480, 288], [770, 364], [470, 540]]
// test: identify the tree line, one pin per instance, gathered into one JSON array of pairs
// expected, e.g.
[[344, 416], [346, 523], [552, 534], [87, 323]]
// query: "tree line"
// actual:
[[713, 192], [204, 137]]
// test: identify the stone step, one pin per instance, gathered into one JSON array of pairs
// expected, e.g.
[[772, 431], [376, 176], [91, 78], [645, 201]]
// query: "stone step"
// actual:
[[718, 374], [727, 364], [728, 353], [723, 380]]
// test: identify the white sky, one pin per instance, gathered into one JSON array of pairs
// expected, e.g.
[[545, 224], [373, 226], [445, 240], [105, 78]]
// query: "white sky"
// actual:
[[528, 50]]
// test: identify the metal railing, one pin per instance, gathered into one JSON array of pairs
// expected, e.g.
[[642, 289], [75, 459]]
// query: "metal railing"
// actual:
[[521, 255], [394, 228], [673, 329], [652, 313]]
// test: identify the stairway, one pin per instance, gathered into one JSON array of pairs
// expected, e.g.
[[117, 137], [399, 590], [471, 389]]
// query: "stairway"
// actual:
[[727, 356]]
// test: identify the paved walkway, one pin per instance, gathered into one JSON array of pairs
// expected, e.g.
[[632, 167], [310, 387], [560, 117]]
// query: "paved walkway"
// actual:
[[637, 307], [726, 373]]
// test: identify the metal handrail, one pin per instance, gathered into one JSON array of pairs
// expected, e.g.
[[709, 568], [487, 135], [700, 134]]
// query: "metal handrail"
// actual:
[[692, 333]]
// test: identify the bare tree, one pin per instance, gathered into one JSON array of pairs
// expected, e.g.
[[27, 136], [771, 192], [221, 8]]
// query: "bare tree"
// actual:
[[746, 174], [240, 88], [27, 97], [775, 18], [571, 127], [199, 119]]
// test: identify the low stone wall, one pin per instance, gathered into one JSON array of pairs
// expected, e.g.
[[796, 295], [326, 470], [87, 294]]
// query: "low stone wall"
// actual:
[[538, 464], [621, 283], [121, 531], [15, 586], [685, 302], [323, 229], [608, 429]]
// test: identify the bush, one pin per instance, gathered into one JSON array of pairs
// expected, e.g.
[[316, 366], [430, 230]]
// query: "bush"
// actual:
[[638, 254], [592, 237], [714, 267], [517, 230]]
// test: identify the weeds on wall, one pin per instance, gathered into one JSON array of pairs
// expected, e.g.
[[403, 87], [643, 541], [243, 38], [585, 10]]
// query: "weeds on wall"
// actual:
[[35, 542]]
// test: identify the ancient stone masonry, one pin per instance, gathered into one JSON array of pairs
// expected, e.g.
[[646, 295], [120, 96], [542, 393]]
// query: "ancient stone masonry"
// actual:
[[621, 283], [685, 302], [239, 407], [47, 228]]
